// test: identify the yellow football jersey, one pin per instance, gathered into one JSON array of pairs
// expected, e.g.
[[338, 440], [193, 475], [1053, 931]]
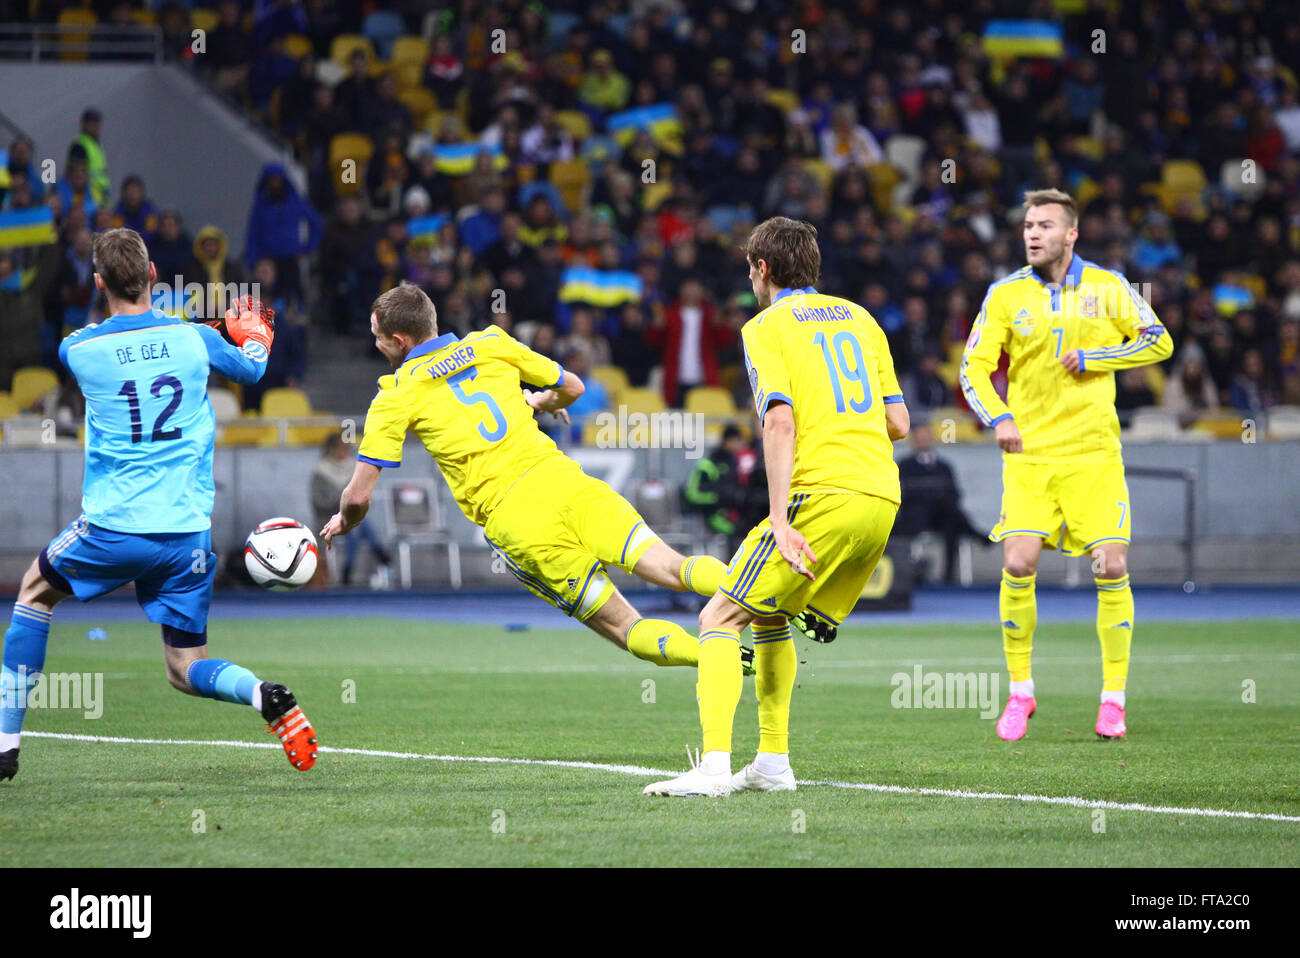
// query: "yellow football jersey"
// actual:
[[462, 399], [1060, 415], [829, 360]]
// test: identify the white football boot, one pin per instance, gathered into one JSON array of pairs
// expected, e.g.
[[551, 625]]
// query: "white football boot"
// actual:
[[695, 782], [750, 779]]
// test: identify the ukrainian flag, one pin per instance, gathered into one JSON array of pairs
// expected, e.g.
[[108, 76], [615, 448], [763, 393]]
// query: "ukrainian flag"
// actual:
[[4, 169], [1023, 38], [18, 280], [30, 227], [660, 119], [458, 159], [599, 287], [424, 229]]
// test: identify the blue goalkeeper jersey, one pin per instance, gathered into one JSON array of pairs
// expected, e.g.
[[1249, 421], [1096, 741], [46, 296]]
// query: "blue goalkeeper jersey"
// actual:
[[149, 425]]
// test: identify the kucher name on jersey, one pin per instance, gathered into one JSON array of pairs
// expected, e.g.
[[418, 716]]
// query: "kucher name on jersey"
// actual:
[[452, 363]]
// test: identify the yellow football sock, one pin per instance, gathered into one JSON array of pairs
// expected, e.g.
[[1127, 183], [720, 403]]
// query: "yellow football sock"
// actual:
[[775, 665], [1115, 629], [1019, 610], [702, 574], [662, 642], [718, 688]]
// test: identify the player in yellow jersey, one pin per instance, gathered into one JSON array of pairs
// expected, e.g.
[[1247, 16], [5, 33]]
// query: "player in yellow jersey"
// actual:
[[1066, 325], [553, 526], [828, 399]]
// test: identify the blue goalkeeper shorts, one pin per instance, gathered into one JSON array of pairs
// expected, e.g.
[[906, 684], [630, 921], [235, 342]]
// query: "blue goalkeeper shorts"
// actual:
[[172, 573]]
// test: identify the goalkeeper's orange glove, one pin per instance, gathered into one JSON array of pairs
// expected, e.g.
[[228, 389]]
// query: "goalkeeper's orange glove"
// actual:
[[249, 319]]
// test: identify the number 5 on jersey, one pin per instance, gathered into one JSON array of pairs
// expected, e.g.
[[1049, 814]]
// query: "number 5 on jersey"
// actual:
[[498, 430]]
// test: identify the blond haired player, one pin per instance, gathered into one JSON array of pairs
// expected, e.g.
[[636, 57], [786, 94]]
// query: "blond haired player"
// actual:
[[1066, 325], [829, 402], [553, 526]]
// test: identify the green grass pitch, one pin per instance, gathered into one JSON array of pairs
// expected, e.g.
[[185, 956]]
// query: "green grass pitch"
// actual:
[[476, 690]]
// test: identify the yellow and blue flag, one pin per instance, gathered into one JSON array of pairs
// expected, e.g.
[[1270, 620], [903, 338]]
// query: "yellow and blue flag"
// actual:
[[424, 229], [458, 159], [30, 227], [659, 118], [1023, 38], [599, 287]]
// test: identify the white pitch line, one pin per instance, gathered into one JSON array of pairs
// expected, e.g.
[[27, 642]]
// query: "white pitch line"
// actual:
[[1069, 800]]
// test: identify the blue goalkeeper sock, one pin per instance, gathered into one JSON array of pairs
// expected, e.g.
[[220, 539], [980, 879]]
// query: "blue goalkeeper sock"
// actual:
[[220, 679], [24, 657]]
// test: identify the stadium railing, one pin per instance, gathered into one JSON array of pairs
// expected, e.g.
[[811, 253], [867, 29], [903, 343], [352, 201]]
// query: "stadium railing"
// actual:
[[58, 41]]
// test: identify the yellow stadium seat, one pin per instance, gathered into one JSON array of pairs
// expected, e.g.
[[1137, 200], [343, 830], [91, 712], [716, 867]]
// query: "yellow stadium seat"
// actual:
[[419, 101], [349, 146], [73, 43], [1220, 425], [883, 178], [310, 435], [612, 378], [571, 178], [31, 383], [822, 170], [145, 18], [8, 408], [410, 76], [640, 399], [576, 122], [296, 46], [410, 50], [248, 433], [201, 18], [710, 401], [341, 48], [1183, 176], [784, 100], [285, 401]]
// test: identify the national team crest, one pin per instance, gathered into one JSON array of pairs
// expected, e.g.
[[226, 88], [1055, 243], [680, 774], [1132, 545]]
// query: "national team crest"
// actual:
[[1088, 305]]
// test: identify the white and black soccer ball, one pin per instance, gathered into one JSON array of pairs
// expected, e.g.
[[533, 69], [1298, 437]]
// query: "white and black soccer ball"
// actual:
[[280, 554]]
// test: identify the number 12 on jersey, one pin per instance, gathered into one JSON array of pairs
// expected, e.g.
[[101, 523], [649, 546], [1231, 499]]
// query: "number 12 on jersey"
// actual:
[[838, 365]]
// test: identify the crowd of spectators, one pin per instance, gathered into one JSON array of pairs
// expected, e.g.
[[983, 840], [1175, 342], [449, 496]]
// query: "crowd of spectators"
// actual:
[[884, 123]]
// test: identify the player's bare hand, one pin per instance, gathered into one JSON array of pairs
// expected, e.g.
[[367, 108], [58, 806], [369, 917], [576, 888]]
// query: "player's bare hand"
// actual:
[[1008, 434], [794, 548], [544, 402], [335, 527], [1071, 361]]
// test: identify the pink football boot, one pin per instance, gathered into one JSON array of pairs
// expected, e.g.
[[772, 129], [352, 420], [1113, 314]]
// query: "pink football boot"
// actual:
[[1015, 717], [1110, 720]]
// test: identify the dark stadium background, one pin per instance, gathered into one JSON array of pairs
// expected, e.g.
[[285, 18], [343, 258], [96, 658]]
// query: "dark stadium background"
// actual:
[[499, 147]]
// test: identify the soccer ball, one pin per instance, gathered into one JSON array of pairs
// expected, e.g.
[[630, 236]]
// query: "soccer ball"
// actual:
[[280, 554]]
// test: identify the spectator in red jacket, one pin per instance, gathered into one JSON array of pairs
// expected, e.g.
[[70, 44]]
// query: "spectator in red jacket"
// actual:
[[689, 335]]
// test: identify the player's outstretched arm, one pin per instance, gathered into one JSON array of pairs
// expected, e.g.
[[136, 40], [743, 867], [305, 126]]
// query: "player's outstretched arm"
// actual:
[[898, 421], [558, 398], [251, 326], [1151, 344], [353, 504], [778, 454]]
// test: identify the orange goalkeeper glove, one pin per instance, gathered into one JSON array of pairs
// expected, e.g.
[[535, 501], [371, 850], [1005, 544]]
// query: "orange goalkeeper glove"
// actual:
[[249, 319]]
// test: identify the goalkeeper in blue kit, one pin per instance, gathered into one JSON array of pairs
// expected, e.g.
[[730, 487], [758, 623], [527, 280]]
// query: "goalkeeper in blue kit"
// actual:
[[147, 494]]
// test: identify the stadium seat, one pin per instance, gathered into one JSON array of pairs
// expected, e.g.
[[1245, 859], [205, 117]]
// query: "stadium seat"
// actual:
[[9, 408], [73, 43], [202, 18], [145, 18], [904, 154], [382, 28], [350, 146], [341, 47], [224, 405], [822, 170], [1284, 422], [296, 46], [884, 180], [417, 518], [285, 402], [710, 401], [641, 399], [247, 431], [1151, 423], [420, 101], [571, 178], [410, 50], [410, 76], [576, 122], [31, 383], [787, 101], [1223, 425], [613, 379], [1183, 176]]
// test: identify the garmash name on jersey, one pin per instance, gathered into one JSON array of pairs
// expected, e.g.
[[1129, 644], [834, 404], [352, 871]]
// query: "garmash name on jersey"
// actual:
[[446, 367], [821, 314]]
